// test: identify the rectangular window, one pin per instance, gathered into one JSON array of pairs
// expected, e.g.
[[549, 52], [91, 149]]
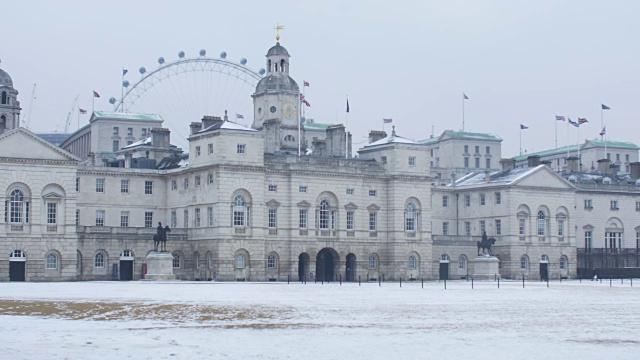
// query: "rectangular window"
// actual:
[[240, 148], [372, 192], [148, 187], [626, 157], [51, 213], [273, 188], [614, 204], [608, 156], [412, 161], [272, 218], [174, 184], [637, 205], [302, 189], [302, 224], [124, 186], [197, 151], [148, 219], [588, 204], [115, 130], [467, 200], [477, 163], [186, 183], [587, 240], [467, 228], [99, 185], [197, 216], [99, 217], [196, 180], [466, 149], [498, 227], [349, 191], [373, 221], [498, 198], [210, 216], [77, 184], [445, 201], [144, 132], [488, 163], [129, 131], [483, 199], [210, 178], [210, 148], [124, 218], [174, 219], [477, 149], [488, 150], [186, 218], [77, 217], [521, 226], [466, 162], [116, 145], [445, 228], [350, 220], [483, 226], [561, 228], [618, 157]]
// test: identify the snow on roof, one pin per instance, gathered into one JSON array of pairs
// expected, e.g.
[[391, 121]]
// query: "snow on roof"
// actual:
[[392, 139], [146, 141], [226, 125], [126, 116], [496, 177]]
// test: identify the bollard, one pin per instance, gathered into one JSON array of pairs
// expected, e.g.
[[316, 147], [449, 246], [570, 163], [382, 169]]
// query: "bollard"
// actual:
[[560, 278], [322, 281], [547, 281], [445, 284], [622, 281], [495, 277], [379, 283], [471, 283], [610, 282], [523, 281], [288, 279], [340, 279], [423, 283], [498, 283], [580, 280], [382, 277], [358, 280], [631, 282], [400, 282]]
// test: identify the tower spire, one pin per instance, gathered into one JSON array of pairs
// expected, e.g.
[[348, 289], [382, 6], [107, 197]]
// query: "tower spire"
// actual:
[[277, 29]]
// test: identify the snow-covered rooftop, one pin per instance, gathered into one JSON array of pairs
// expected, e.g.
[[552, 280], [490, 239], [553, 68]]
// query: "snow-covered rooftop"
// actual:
[[145, 141]]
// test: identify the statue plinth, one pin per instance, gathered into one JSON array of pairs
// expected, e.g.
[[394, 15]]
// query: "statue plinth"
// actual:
[[486, 268], [159, 266]]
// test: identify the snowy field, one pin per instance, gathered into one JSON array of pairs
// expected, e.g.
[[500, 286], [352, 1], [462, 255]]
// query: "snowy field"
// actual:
[[202, 320]]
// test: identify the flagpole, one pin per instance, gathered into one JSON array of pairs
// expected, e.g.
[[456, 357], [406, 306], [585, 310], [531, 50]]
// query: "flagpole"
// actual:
[[93, 102], [568, 137], [520, 140], [578, 143], [122, 91], [556, 131], [462, 112], [78, 118], [300, 104], [601, 122], [346, 134]]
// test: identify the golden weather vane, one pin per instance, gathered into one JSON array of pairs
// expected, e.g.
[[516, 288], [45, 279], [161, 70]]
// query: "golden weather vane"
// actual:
[[277, 29]]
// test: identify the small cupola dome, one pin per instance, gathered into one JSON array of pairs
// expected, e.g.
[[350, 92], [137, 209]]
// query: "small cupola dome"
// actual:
[[5, 79]]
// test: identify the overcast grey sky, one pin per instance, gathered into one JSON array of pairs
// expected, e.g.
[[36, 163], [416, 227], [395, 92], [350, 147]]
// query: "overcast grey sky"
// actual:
[[519, 62]]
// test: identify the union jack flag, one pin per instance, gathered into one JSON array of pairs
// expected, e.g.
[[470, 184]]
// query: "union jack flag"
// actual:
[[306, 83], [239, 116], [582, 121], [559, 118], [82, 111]]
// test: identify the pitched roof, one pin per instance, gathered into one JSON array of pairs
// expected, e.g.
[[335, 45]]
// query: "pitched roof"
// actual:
[[125, 116], [226, 125], [557, 151], [470, 135], [391, 139], [316, 126], [618, 144], [60, 151]]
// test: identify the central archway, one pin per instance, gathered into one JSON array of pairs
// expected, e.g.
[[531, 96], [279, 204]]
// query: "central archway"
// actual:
[[326, 263], [303, 267], [350, 274]]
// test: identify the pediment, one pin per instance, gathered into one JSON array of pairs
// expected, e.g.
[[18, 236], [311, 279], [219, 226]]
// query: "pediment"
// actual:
[[23, 144], [304, 204], [273, 203], [373, 207], [52, 196], [351, 206], [588, 227]]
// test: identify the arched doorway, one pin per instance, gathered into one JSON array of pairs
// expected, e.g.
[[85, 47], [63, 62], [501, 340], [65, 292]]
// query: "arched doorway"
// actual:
[[325, 264], [17, 266], [303, 267], [126, 265], [351, 268]]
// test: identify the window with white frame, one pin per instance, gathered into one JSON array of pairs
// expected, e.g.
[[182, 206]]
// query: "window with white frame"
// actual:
[[412, 262], [197, 151], [410, 217], [210, 148], [467, 228], [542, 223], [186, 183], [524, 263], [129, 131], [588, 204], [614, 205], [498, 227], [240, 148], [52, 261], [174, 184], [563, 263], [116, 130], [99, 217], [239, 211], [372, 192], [445, 201], [124, 186], [272, 261], [77, 217], [462, 262], [197, 216], [560, 227], [350, 191], [302, 189], [100, 185], [148, 219], [521, 226], [174, 218], [412, 161], [303, 218], [176, 261], [77, 184], [588, 235], [186, 218], [52, 213], [373, 221], [350, 220], [483, 199], [148, 187], [273, 217], [273, 188], [98, 261], [115, 145], [498, 198], [210, 216], [467, 200], [124, 218], [210, 178], [445, 228], [483, 226], [324, 213], [373, 262], [240, 261]]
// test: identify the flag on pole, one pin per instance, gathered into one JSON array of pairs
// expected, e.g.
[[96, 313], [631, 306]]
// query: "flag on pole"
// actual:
[[387, 121], [95, 94], [559, 118], [124, 72], [306, 83], [304, 100], [347, 105], [604, 131], [239, 116], [605, 107], [82, 111], [582, 121], [573, 123], [464, 96], [523, 127]]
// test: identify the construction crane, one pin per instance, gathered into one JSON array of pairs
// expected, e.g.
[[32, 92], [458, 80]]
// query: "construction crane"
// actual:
[[73, 107], [27, 116]]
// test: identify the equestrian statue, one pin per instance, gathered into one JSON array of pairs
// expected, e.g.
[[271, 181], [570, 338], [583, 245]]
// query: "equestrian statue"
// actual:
[[160, 238], [485, 244]]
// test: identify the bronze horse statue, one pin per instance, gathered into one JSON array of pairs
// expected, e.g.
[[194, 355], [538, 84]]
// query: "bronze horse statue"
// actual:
[[486, 244], [160, 238]]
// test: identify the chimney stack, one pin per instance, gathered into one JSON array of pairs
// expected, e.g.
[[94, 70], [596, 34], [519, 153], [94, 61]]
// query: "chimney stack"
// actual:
[[533, 161], [603, 165], [195, 127], [634, 170], [508, 164], [487, 176], [573, 163], [375, 135], [209, 120], [160, 138]]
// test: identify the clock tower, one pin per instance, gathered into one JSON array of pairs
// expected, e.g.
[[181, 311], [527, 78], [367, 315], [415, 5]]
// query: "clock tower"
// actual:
[[276, 103]]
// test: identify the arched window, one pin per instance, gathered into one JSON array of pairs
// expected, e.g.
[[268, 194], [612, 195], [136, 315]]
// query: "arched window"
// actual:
[[210, 260], [524, 263], [17, 207], [544, 259], [3, 122], [52, 261], [176, 261], [196, 257], [444, 258], [17, 254], [373, 262], [462, 262], [98, 261], [542, 223], [269, 65], [410, 217], [239, 211], [324, 214], [240, 261], [272, 261], [412, 262], [4, 97], [282, 65], [289, 138]]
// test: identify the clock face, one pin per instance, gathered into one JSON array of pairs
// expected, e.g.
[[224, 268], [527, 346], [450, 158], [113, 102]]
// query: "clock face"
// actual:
[[289, 111], [272, 109]]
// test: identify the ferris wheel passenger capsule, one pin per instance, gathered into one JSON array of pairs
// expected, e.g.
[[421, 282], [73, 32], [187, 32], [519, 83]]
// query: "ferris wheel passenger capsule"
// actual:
[[203, 52], [160, 60], [223, 54], [243, 61], [181, 54], [125, 83], [142, 70], [112, 100], [262, 71]]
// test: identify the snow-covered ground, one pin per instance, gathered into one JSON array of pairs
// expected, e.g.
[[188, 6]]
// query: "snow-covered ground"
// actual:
[[198, 320]]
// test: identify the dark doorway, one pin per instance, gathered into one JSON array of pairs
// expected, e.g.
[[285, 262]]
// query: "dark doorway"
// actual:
[[544, 271], [444, 271], [303, 267], [324, 265], [17, 270], [126, 269], [351, 268]]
